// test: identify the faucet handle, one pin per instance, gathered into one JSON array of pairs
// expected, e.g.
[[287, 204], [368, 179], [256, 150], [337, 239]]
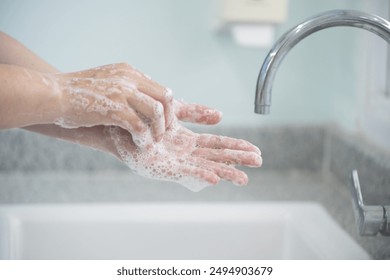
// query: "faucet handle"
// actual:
[[371, 219]]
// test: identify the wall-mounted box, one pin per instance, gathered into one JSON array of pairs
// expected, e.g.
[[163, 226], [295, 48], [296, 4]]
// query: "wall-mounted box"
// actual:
[[253, 11], [251, 22]]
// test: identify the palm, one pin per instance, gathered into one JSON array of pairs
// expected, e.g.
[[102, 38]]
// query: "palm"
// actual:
[[191, 159]]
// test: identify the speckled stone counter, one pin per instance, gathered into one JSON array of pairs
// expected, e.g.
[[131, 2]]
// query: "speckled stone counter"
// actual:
[[300, 164]]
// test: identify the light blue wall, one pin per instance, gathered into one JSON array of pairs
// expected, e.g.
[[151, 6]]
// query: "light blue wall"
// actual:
[[173, 41]]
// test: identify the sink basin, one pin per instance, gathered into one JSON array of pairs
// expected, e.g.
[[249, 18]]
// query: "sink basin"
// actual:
[[173, 231]]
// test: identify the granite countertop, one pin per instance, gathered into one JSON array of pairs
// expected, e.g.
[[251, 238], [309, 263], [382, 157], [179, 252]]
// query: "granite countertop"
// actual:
[[36, 169]]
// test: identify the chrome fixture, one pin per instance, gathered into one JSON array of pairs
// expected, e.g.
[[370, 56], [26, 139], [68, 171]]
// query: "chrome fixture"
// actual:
[[288, 40], [371, 219]]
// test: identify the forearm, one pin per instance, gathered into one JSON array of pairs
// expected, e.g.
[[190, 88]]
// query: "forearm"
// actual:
[[13, 52], [111, 95], [27, 97]]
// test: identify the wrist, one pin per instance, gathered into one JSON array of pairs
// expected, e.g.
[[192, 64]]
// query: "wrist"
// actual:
[[27, 97], [51, 96]]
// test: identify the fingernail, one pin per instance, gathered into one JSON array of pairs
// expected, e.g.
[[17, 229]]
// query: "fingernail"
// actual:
[[241, 181], [259, 162]]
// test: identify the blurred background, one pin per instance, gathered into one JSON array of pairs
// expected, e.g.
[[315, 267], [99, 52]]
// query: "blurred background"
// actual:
[[322, 80], [329, 115]]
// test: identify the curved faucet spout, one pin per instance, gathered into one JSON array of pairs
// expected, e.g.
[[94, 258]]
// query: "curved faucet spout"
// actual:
[[289, 39]]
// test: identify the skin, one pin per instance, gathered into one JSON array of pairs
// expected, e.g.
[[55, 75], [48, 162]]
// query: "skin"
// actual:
[[114, 94], [183, 155], [36, 96]]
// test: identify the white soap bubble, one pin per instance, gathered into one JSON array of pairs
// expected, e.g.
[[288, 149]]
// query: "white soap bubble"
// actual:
[[156, 162], [64, 123]]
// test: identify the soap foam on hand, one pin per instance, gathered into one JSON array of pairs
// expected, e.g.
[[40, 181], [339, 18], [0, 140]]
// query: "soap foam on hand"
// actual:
[[131, 108], [192, 160], [115, 94], [156, 161]]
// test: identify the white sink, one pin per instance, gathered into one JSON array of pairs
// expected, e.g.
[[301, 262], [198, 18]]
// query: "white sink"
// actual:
[[173, 231]]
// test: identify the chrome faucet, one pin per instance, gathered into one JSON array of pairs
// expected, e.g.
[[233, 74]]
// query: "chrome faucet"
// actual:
[[292, 37], [371, 219]]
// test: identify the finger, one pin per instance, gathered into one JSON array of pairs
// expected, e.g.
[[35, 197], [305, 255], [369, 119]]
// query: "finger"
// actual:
[[151, 109], [130, 121], [199, 174], [153, 89], [244, 158], [161, 94], [143, 83], [195, 113], [146, 85], [223, 142], [225, 172]]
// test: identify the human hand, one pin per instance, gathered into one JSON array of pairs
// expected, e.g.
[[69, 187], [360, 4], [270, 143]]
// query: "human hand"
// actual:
[[191, 159], [117, 95], [194, 160]]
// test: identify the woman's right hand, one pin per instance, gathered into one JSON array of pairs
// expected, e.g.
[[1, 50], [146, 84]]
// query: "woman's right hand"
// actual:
[[117, 95]]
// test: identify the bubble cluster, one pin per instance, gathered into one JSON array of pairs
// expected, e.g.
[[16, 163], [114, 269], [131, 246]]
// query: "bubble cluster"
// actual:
[[79, 101], [64, 123], [103, 105], [157, 161], [83, 98]]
